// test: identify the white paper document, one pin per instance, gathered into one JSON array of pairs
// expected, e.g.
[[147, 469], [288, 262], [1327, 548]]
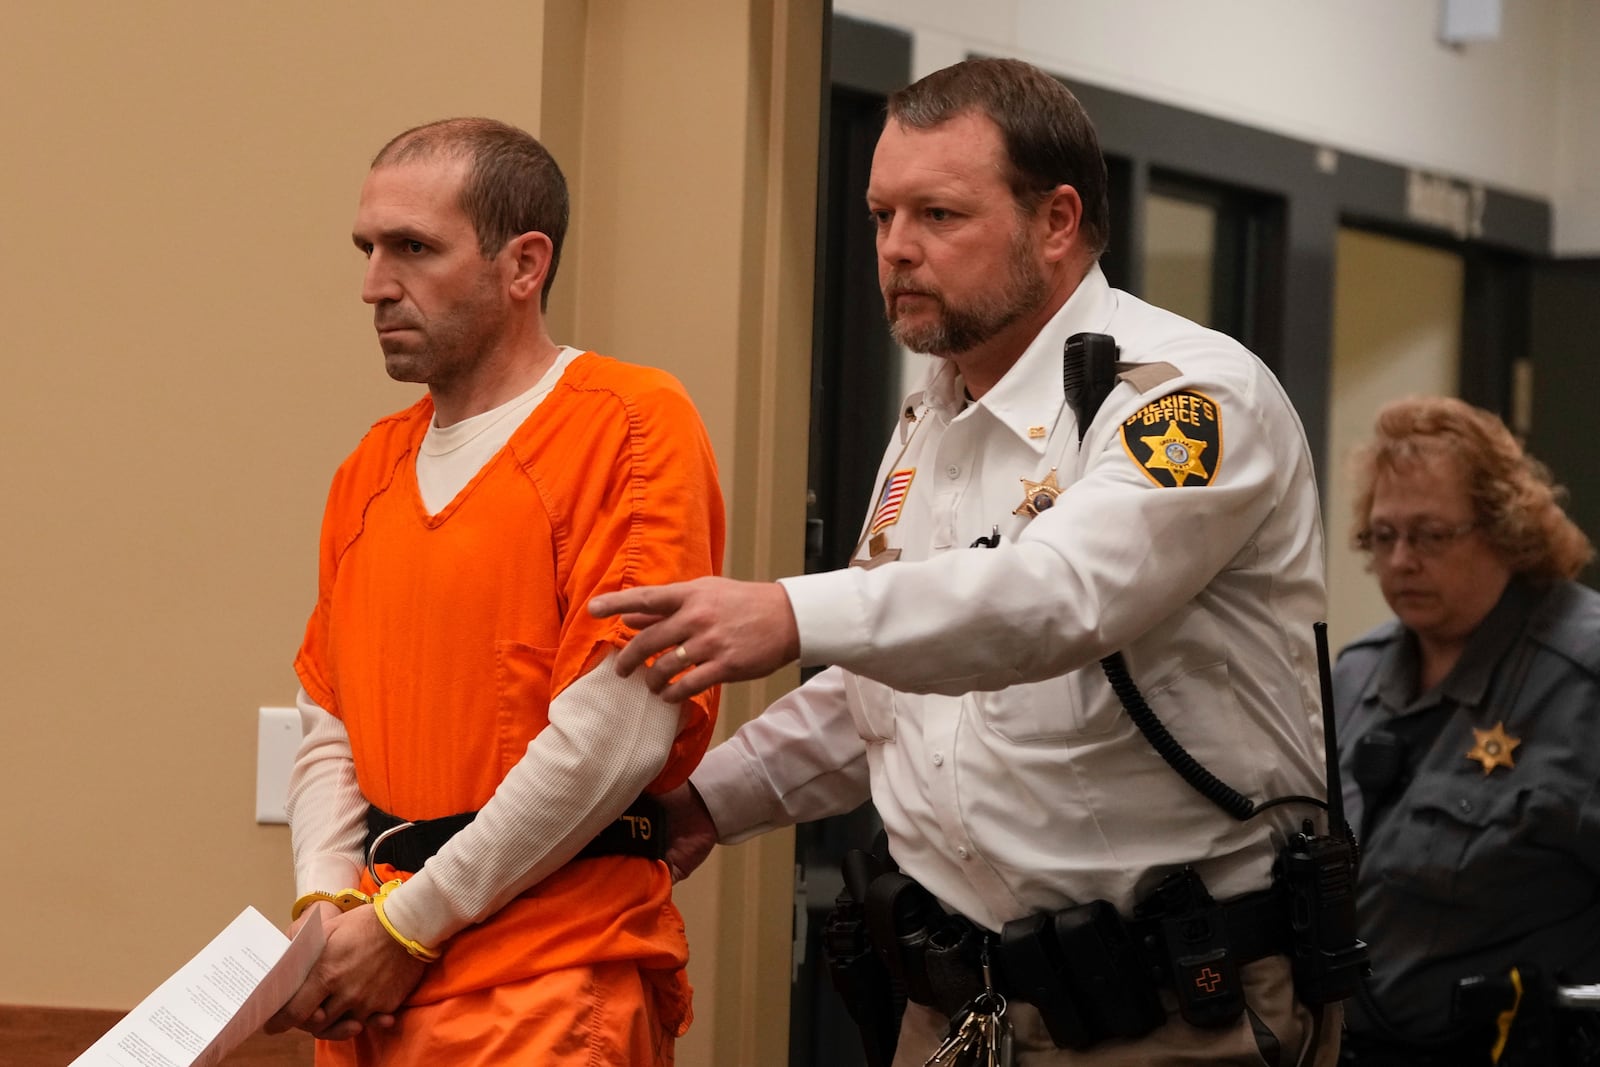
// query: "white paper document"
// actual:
[[215, 1001]]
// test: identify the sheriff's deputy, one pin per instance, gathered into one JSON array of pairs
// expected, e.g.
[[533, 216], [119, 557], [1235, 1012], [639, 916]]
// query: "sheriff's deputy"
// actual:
[[1177, 525], [1470, 754]]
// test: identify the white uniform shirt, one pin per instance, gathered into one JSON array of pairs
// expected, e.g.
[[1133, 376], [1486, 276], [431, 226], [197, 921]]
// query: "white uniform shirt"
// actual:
[[966, 688]]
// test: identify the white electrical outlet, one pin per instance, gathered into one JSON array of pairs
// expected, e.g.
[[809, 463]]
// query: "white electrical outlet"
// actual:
[[277, 740]]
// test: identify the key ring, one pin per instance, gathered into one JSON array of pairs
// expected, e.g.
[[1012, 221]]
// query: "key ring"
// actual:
[[989, 1003], [372, 852]]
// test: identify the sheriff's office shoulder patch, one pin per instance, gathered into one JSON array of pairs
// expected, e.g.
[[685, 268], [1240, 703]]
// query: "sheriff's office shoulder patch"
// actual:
[[1176, 440]]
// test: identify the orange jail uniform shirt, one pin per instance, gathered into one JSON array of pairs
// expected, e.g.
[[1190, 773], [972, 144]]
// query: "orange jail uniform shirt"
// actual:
[[439, 641]]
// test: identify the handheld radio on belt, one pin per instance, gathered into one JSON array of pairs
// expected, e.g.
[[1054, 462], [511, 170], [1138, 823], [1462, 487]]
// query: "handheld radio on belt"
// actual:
[[1316, 872]]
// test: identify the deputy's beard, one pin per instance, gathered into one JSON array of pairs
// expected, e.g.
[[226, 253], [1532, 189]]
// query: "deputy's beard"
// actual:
[[957, 328]]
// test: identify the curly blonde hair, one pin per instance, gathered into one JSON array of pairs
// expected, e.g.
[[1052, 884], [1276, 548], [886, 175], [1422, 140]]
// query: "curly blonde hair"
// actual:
[[1514, 501]]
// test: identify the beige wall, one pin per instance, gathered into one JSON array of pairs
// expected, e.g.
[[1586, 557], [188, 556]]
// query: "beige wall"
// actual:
[[701, 261], [186, 361]]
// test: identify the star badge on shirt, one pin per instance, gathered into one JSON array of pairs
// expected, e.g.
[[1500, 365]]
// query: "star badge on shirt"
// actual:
[[1492, 748], [1038, 496], [1180, 438]]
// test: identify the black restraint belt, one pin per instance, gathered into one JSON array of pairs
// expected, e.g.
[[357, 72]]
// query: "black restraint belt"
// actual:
[[639, 831]]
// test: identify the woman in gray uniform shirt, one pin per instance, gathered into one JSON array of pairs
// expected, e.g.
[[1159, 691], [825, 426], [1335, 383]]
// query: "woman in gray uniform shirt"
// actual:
[[1469, 730]]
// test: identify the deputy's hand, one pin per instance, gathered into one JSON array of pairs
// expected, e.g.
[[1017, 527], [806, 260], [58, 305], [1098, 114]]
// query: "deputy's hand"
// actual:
[[708, 631], [691, 835], [359, 981]]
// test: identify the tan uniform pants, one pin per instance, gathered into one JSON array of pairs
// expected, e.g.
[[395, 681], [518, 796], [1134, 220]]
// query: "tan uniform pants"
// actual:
[[1275, 1031]]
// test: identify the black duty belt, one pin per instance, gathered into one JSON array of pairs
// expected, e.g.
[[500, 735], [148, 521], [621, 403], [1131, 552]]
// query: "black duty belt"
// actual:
[[1091, 972], [1257, 926], [640, 831]]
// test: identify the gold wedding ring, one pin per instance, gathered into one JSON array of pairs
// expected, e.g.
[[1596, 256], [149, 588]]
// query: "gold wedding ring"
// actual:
[[683, 656]]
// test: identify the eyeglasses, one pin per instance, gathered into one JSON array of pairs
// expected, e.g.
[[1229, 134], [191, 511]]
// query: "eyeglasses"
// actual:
[[1427, 539]]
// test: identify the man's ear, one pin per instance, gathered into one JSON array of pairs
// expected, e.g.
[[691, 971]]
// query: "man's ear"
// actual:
[[1062, 215], [528, 258]]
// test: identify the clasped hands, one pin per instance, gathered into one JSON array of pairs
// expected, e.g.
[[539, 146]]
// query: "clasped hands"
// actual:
[[358, 983]]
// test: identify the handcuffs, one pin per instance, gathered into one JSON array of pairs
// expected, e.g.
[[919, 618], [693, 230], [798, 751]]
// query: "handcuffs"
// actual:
[[349, 899]]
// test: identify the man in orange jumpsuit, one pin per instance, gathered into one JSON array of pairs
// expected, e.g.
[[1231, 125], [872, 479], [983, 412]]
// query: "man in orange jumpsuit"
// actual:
[[450, 676]]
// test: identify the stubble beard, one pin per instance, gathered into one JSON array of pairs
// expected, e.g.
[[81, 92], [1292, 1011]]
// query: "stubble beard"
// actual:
[[448, 347]]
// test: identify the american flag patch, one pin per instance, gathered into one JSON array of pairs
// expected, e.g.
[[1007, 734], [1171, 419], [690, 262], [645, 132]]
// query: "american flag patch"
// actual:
[[894, 496]]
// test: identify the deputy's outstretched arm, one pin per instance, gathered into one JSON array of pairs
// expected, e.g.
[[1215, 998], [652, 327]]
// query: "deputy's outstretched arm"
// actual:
[[694, 635]]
